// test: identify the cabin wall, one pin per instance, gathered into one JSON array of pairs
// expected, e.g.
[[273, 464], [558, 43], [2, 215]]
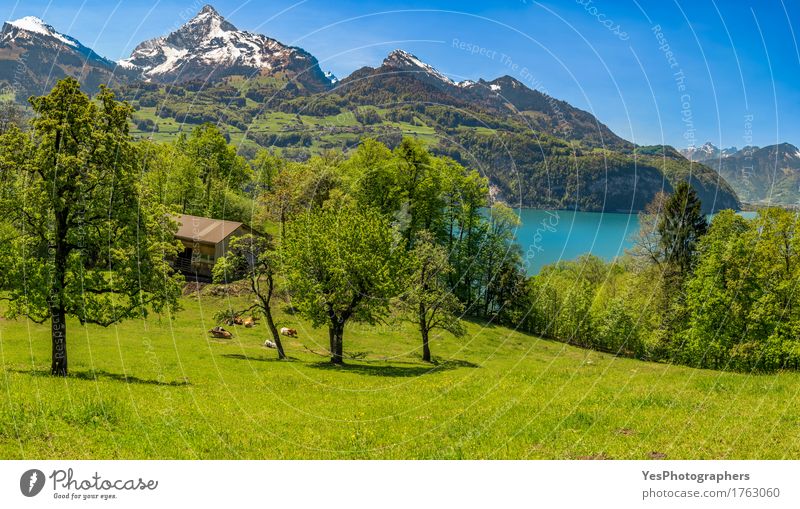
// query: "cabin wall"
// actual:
[[221, 248], [202, 260]]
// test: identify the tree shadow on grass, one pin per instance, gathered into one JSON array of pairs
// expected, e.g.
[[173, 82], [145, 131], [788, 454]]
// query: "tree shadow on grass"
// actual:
[[390, 370], [243, 357], [101, 374], [95, 375], [482, 322], [455, 363]]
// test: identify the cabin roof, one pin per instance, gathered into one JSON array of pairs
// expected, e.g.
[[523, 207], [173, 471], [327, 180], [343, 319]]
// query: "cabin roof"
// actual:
[[205, 229]]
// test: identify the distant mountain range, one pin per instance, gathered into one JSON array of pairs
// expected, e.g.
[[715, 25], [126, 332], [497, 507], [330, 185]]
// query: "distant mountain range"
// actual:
[[766, 175], [537, 151], [707, 152]]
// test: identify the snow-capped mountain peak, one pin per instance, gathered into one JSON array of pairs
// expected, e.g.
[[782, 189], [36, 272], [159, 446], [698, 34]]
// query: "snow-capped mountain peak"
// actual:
[[708, 151], [789, 151], [34, 25], [207, 11], [47, 55], [403, 60], [210, 24], [208, 45], [709, 148]]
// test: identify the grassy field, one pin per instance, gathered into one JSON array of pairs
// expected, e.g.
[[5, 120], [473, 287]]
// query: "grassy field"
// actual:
[[161, 388]]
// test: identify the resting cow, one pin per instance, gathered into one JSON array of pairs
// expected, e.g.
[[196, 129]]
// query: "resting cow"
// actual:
[[286, 331], [219, 332], [235, 320]]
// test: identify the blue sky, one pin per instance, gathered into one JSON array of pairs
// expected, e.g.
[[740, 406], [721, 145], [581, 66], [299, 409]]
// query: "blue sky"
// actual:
[[733, 75]]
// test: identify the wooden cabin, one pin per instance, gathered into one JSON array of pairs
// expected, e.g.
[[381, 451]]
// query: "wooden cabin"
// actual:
[[205, 240]]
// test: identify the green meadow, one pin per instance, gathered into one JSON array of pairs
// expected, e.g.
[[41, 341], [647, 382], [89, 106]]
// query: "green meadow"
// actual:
[[163, 388]]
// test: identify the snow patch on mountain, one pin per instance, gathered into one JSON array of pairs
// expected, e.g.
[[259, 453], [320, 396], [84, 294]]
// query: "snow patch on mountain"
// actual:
[[406, 61], [708, 148], [172, 57], [126, 65], [37, 26]]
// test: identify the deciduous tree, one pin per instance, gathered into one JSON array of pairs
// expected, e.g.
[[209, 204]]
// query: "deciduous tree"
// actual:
[[343, 263], [647, 249], [87, 241], [220, 168], [252, 257], [429, 302]]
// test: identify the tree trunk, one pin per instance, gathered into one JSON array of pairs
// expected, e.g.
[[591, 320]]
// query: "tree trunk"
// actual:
[[332, 340], [426, 349], [275, 334], [468, 274], [267, 309], [487, 296], [58, 331], [58, 315], [487, 293], [339, 358], [336, 332], [423, 328], [283, 224]]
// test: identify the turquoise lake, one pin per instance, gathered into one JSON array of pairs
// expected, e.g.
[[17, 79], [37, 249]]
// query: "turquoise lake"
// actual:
[[547, 236]]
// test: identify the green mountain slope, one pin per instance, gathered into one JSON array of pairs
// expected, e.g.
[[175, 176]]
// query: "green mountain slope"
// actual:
[[536, 150], [587, 167]]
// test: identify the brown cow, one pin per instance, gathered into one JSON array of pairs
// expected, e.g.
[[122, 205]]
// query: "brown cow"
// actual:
[[235, 320], [286, 331], [219, 332]]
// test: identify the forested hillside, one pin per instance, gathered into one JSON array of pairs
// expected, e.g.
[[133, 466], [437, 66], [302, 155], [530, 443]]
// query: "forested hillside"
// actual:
[[536, 150]]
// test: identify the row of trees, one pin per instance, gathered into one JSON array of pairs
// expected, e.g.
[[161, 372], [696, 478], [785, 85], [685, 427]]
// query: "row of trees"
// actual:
[[382, 234], [87, 225], [719, 296], [199, 174]]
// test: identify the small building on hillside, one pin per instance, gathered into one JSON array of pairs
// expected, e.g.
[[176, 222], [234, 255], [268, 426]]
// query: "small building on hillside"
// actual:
[[205, 240]]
